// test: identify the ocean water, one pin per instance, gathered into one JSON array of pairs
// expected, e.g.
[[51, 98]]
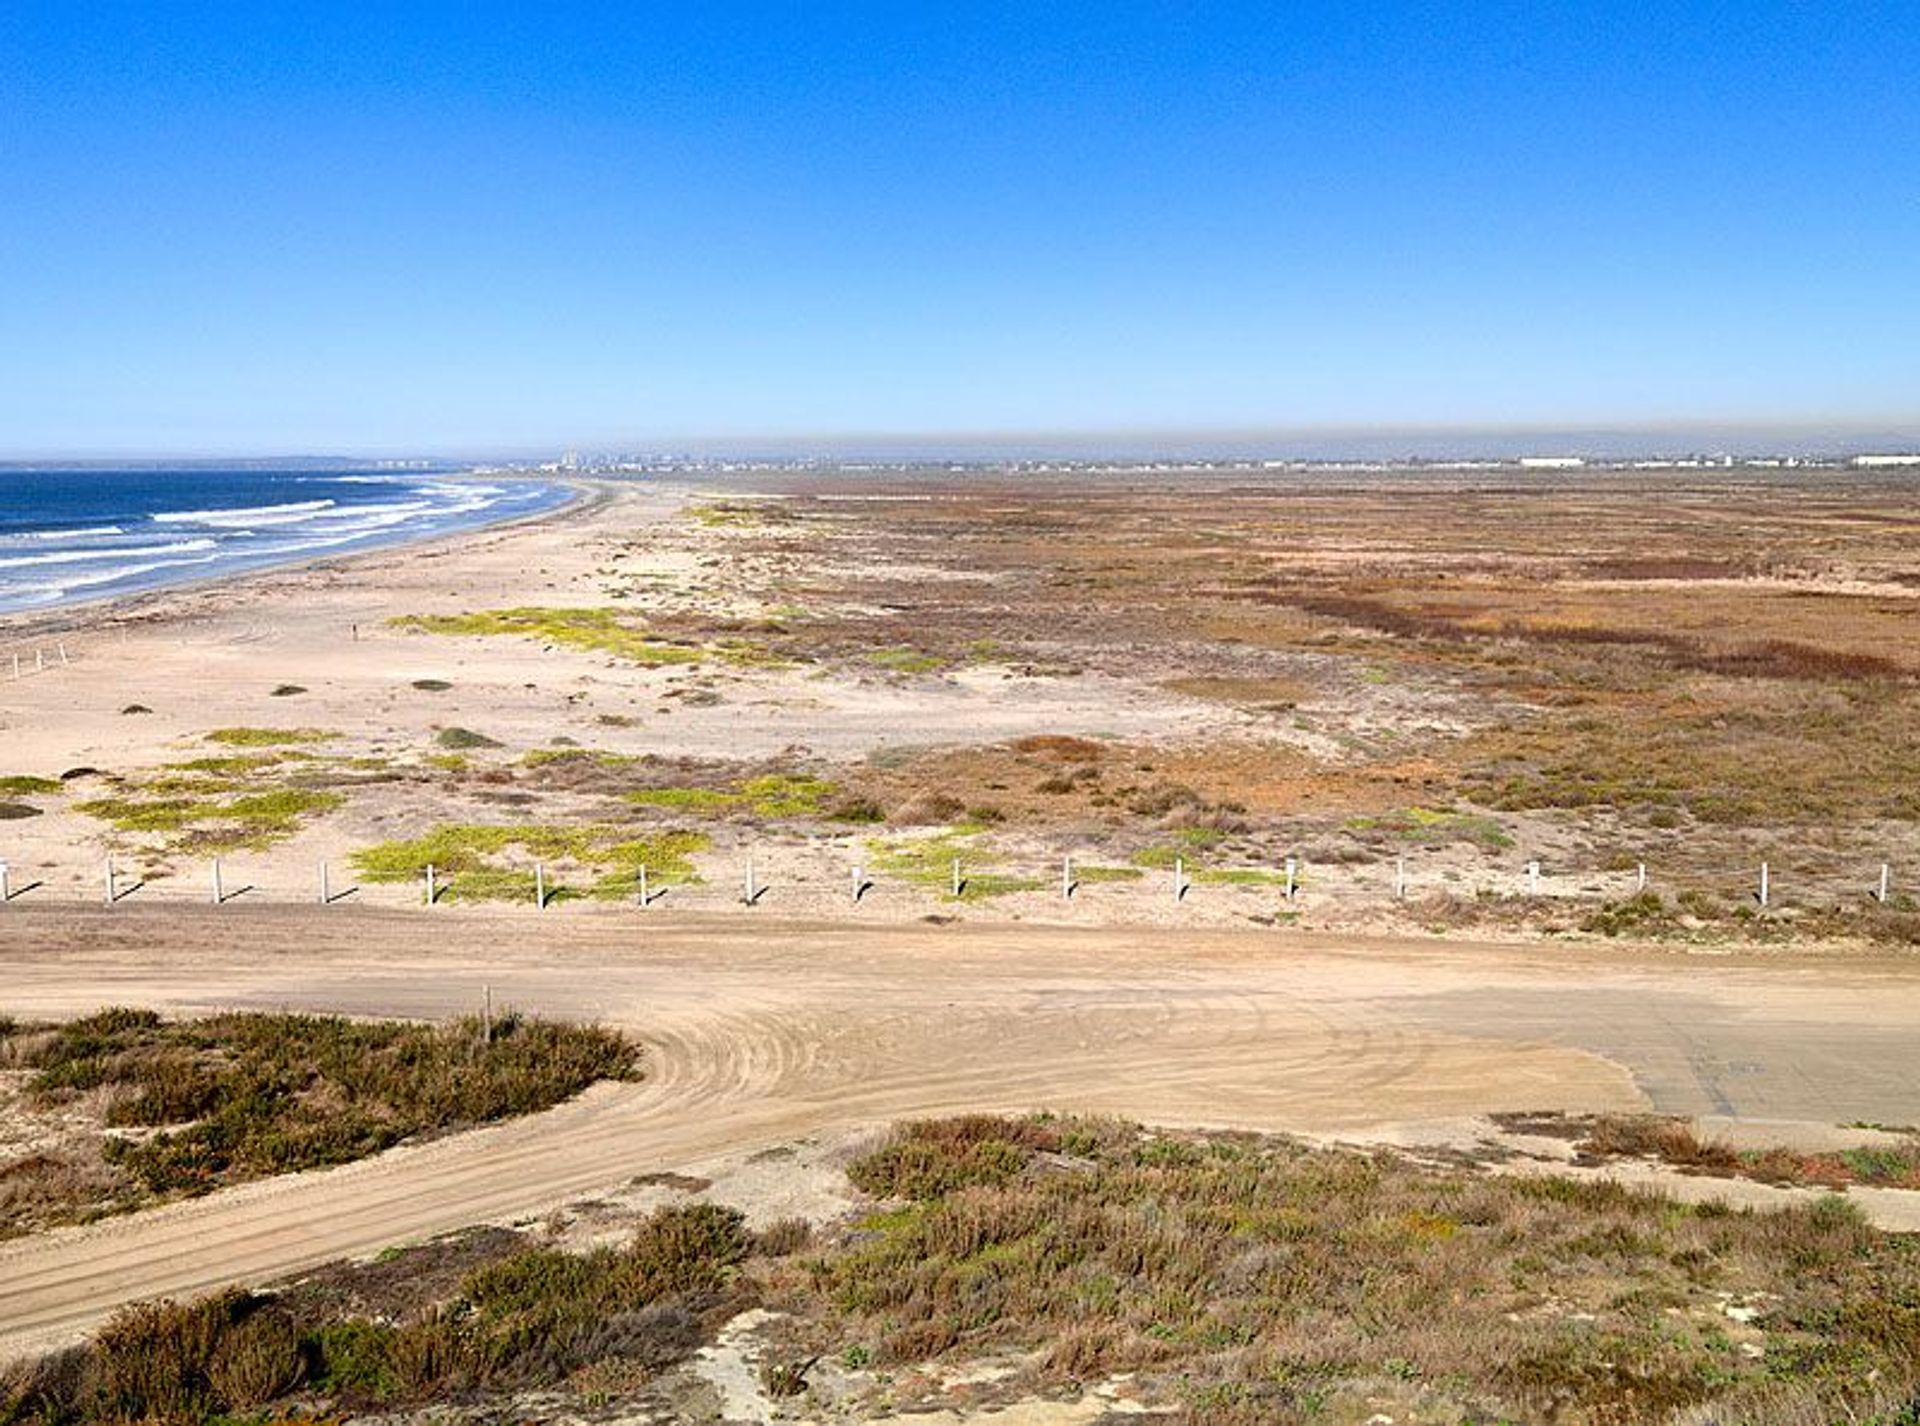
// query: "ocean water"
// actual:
[[70, 535]]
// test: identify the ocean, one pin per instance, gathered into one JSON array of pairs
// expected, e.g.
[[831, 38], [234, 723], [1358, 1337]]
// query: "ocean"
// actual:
[[70, 535]]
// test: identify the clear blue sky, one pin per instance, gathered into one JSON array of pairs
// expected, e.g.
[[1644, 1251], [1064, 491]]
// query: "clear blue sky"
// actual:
[[277, 226]]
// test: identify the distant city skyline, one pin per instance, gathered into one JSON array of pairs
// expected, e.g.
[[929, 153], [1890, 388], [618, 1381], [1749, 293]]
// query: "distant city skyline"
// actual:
[[486, 230]]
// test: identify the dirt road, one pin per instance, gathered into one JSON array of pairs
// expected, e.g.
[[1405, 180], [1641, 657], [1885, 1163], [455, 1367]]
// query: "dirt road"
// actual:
[[759, 1035]]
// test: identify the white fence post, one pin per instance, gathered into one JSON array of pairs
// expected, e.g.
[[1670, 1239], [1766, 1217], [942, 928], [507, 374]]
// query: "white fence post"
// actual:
[[1886, 874], [430, 891], [540, 885], [1293, 877], [1533, 878], [1766, 887], [110, 895], [219, 892], [1399, 878], [644, 899], [1066, 878], [326, 895]]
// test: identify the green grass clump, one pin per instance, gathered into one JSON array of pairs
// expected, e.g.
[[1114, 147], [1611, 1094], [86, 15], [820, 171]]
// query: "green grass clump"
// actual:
[[906, 659], [774, 795], [599, 630], [1235, 876], [28, 786], [254, 820], [546, 757], [1093, 875], [928, 862], [268, 737], [237, 1097], [724, 516], [464, 739], [468, 857], [1430, 827]]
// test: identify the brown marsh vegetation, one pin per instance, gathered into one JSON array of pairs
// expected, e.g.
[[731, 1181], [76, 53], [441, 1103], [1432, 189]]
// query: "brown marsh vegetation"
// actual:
[[1237, 1278], [178, 1108], [1699, 671]]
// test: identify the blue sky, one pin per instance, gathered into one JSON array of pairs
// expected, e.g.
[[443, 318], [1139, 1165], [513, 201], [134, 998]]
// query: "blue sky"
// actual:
[[277, 227]]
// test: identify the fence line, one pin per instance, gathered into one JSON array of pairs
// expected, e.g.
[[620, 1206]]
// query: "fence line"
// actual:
[[1290, 881]]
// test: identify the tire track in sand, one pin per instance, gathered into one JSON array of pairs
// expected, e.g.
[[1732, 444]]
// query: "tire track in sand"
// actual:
[[753, 1037]]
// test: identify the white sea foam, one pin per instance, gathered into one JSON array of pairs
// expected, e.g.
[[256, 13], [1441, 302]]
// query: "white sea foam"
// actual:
[[243, 515], [98, 532], [117, 552], [42, 593]]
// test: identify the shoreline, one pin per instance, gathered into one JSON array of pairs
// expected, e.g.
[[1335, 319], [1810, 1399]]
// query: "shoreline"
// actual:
[[584, 497]]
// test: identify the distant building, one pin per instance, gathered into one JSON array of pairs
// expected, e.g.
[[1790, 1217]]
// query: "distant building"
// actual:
[[1551, 462], [1870, 461]]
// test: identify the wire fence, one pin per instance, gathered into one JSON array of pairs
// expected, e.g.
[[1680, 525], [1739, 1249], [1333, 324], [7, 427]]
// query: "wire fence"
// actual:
[[751, 882]]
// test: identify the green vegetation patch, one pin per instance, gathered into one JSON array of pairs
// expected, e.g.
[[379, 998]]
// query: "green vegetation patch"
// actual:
[[724, 516], [906, 659], [251, 820], [928, 862], [774, 795], [486, 862], [597, 757], [1435, 827], [237, 1097], [268, 737], [29, 786], [605, 631], [464, 739]]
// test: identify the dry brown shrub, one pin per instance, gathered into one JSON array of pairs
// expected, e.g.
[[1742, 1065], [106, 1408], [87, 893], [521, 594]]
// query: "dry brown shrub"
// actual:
[[1060, 747], [256, 1360]]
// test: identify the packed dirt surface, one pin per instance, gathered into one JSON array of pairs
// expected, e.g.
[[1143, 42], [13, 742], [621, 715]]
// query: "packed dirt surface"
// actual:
[[757, 1037]]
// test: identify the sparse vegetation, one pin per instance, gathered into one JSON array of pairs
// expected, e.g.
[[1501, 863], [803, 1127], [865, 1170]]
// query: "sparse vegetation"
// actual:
[[906, 659], [1674, 1142], [252, 820], [773, 795], [485, 862], [607, 631], [928, 862], [268, 737]]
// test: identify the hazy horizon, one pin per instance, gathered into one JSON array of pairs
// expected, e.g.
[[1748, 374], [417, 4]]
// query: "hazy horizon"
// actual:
[[1386, 443]]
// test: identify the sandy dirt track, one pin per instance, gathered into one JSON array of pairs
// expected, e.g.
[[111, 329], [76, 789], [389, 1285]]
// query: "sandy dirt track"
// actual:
[[760, 1034]]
